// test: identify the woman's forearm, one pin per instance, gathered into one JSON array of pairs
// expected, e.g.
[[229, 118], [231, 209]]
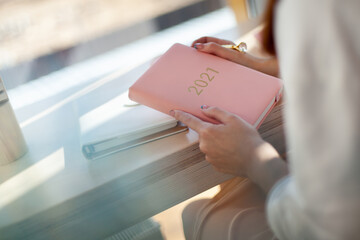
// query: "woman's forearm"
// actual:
[[268, 66]]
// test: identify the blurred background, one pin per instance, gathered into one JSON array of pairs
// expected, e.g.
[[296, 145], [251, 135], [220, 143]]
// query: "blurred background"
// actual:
[[38, 37]]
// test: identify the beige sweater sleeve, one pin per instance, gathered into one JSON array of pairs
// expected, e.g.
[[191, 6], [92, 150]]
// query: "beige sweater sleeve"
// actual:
[[318, 46]]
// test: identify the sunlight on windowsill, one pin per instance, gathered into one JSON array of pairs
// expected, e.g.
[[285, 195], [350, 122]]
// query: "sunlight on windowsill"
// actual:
[[22, 183]]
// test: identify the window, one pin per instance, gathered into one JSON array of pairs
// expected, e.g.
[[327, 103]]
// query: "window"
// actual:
[[38, 37]]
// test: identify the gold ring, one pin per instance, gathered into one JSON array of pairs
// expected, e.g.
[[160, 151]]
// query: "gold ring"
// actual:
[[241, 47]]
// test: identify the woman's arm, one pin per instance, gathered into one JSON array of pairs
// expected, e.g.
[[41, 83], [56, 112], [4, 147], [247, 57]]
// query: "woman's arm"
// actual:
[[213, 46]]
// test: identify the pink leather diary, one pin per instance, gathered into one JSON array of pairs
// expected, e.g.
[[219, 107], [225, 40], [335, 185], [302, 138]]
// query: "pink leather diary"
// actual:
[[185, 79]]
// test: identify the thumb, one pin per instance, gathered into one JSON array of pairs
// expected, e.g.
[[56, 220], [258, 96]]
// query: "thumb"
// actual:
[[218, 50], [218, 114]]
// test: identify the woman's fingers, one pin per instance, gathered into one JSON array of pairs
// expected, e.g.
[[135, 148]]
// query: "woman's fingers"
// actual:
[[214, 46], [212, 39], [218, 50], [189, 120], [218, 114]]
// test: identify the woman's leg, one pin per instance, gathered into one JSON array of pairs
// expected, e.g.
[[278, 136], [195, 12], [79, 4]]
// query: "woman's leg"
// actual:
[[189, 216]]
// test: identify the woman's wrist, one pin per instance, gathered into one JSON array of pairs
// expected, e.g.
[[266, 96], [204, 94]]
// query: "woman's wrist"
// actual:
[[268, 66], [266, 167]]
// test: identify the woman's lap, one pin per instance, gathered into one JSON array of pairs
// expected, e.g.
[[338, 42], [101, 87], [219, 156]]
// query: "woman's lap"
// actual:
[[238, 214]]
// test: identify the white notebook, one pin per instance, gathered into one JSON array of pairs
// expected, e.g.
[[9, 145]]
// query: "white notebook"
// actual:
[[118, 124]]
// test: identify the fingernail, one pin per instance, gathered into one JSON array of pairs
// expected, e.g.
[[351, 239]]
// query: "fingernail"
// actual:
[[172, 113], [204, 106], [198, 46]]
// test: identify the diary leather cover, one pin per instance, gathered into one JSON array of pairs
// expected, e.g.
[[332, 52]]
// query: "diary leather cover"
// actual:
[[185, 79]]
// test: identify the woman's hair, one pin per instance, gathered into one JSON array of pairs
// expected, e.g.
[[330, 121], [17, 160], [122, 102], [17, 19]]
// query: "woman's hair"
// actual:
[[268, 30]]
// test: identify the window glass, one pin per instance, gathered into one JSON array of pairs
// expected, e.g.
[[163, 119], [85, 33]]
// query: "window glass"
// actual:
[[38, 37]]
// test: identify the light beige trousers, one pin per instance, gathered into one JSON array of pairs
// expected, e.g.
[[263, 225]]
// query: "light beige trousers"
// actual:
[[236, 212]]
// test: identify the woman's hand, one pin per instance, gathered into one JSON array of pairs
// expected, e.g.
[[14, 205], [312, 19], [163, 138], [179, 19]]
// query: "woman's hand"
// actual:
[[213, 46], [229, 146], [234, 146], [219, 41]]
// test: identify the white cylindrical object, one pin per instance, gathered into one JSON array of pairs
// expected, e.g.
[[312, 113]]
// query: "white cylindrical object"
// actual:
[[12, 143]]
